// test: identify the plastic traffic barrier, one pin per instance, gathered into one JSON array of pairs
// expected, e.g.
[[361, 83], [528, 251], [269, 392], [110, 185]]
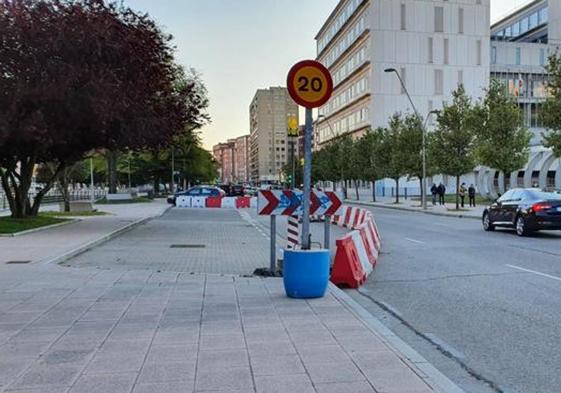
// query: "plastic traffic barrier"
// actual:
[[183, 201], [243, 203], [198, 202], [229, 202], [214, 202], [347, 269]]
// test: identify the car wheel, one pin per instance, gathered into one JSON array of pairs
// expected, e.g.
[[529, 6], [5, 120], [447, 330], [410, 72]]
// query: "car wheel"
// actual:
[[521, 227], [487, 226]]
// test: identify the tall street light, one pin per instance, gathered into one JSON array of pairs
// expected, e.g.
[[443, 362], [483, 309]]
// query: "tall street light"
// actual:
[[424, 131]]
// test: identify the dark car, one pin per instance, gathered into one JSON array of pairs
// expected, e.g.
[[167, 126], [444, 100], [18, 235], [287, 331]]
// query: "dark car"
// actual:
[[237, 190], [525, 210], [204, 191]]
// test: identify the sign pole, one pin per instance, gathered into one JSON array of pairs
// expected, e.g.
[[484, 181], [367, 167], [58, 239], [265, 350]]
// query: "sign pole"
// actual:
[[273, 262], [294, 141], [307, 180], [326, 233]]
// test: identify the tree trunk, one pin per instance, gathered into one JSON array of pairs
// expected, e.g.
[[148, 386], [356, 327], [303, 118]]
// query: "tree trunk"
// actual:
[[16, 185], [423, 191], [374, 191], [504, 182], [356, 189], [112, 157], [64, 190], [457, 192], [396, 190], [344, 184]]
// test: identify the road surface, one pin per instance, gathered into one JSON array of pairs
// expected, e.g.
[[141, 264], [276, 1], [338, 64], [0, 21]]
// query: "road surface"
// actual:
[[485, 308]]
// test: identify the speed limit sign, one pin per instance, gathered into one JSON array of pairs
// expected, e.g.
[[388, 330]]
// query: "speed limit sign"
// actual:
[[310, 84]]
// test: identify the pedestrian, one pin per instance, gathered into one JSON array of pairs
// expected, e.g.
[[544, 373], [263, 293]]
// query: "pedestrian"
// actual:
[[434, 191], [462, 193], [471, 195], [441, 193]]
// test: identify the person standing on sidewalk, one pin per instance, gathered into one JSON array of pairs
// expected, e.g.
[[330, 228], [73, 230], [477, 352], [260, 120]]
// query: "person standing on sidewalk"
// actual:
[[441, 193], [471, 195], [462, 194], [434, 191]]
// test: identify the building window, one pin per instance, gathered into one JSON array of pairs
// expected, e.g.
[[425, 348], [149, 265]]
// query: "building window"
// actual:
[[542, 56], [494, 55], [431, 50], [460, 77], [478, 50], [461, 21], [439, 19], [403, 78], [438, 82], [446, 51], [403, 17], [518, 56]]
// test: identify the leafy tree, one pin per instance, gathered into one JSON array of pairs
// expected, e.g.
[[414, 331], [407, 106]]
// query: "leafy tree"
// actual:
[[393, 153], [550, 110], [453, 142], [367, 157], [502, 140], [110, 83]]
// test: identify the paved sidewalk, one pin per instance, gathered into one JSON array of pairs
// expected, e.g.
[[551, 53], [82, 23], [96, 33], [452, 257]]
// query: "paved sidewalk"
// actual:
[[68, 330], [50, 243], [414, 205]]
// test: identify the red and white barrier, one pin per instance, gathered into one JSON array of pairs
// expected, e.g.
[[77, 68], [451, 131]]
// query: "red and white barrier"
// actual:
[[215, 202], [293, 233], [358, 251]]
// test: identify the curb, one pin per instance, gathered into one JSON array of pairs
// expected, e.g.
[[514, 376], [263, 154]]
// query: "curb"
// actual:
[[426, 371], [27, 232], [104, 239], [352, 202]]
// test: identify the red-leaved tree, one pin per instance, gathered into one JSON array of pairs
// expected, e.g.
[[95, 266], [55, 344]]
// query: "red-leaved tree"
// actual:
[[77, 76]]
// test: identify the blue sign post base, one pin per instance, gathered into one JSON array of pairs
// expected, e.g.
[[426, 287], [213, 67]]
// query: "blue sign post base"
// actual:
[[306, 273]]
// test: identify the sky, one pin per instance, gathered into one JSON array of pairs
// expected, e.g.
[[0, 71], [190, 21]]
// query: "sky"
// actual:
[[240, 46]]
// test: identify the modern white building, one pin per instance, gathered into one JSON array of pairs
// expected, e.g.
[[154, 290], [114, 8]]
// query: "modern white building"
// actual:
[[435, 45]]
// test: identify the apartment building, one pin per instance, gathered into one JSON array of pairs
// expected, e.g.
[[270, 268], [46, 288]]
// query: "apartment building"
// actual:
[[269, 146], [233, 160], [433, 44], [241, 159], [521, 43]]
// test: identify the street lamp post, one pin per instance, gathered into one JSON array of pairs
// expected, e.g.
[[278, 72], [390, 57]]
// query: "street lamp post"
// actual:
[[424, 131]]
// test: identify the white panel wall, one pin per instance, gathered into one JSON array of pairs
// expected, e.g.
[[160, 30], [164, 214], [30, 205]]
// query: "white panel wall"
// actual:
[[555, 22], [394, 48]]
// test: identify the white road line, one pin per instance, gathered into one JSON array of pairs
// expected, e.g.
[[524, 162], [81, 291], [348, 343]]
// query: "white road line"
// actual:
[[534, 272], [414, 241]]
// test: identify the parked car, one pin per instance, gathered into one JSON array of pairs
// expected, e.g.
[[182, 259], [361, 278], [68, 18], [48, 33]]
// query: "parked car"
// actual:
[[204, 191], [237, 190], [526, 210]]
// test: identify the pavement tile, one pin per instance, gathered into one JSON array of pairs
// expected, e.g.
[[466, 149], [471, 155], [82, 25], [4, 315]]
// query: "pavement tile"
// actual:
[[106, 383], [167, 372], [66, 357], [279, 348], [322, 354], [43, 375], [116, 362], [398, 380], [170, 387], [231, 379], [218, 342], [172, 353], [346, 387], [274, 364], [341, 371], [223, 359], [299, 383]]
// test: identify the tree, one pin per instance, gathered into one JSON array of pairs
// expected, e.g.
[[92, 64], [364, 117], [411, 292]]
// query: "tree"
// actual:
[[393, 153], [502, 140], [453, 142], [109, 84], [368, 157], [550, 110]]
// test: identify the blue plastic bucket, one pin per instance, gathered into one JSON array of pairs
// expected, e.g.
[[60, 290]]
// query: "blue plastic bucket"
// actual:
[[306, 273]]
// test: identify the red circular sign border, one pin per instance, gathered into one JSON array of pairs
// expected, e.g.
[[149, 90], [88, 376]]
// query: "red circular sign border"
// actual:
[[297, 67]]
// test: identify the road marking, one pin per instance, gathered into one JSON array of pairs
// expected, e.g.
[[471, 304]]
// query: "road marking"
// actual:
[[414, 241], [535, 272]]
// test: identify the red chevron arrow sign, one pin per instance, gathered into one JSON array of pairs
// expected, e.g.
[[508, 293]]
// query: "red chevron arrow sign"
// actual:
[[289, 203]]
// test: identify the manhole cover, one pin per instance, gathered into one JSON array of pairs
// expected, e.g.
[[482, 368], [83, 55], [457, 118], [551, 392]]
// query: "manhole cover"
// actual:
[[17, 262], [187, 246]]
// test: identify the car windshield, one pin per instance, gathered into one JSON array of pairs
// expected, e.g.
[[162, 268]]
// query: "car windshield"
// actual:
[[541, 195]]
